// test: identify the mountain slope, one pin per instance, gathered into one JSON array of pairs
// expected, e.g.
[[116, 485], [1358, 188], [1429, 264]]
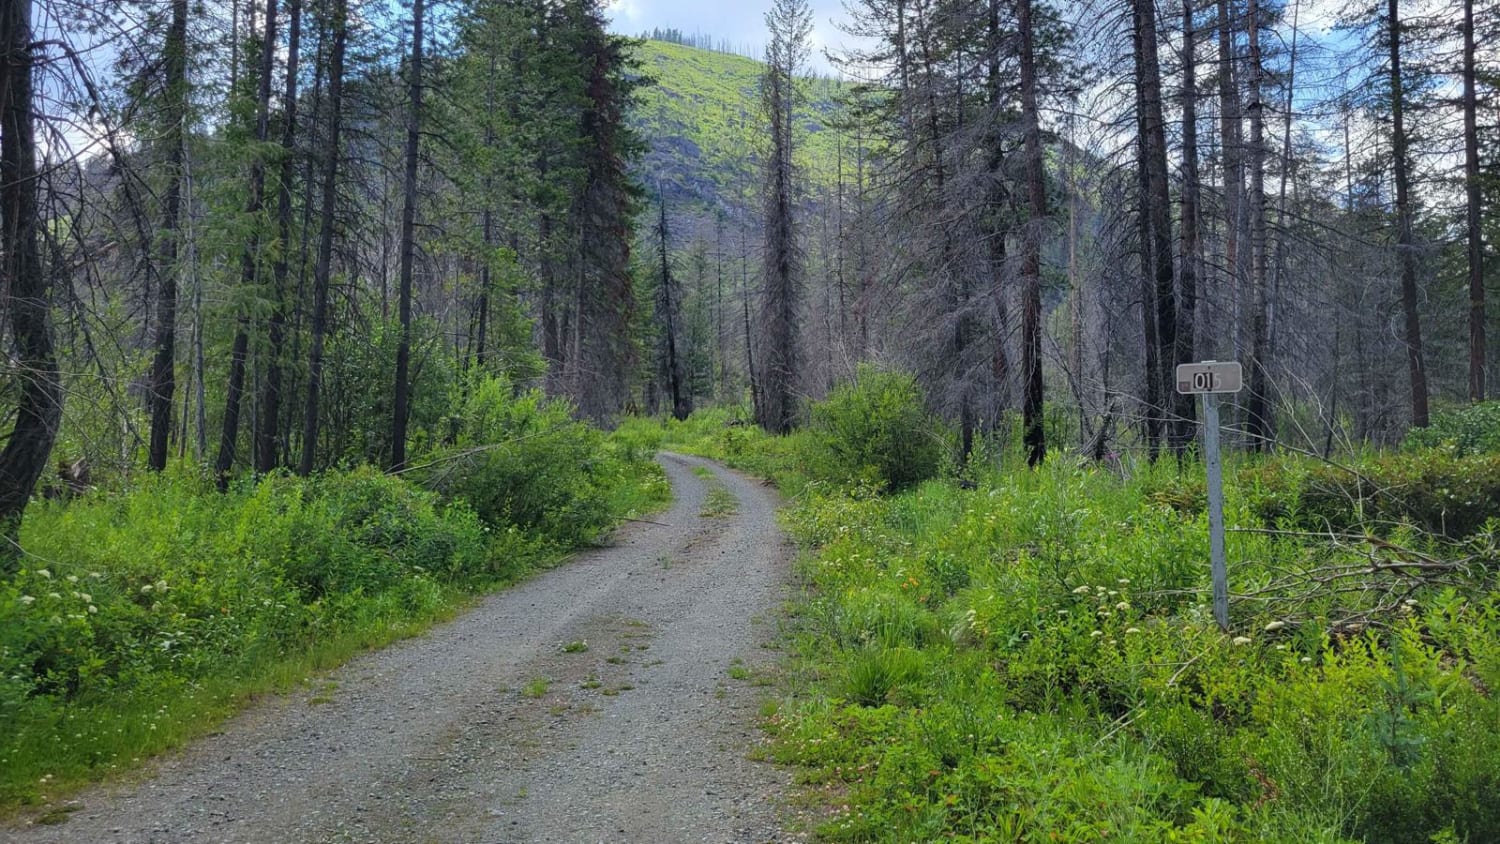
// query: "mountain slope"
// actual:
[[703, 125]]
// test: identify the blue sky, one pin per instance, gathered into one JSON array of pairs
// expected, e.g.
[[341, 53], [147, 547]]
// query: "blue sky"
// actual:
[[742, 23]]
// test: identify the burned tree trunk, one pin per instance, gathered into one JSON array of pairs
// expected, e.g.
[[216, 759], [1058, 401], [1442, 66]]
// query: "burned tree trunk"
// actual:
[[39, 406]]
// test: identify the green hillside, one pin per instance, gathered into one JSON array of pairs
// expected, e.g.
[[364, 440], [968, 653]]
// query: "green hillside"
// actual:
[[703, 125]]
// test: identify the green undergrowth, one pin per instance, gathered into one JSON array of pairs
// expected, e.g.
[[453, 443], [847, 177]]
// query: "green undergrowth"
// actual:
[[1033, 659], [144, 616]]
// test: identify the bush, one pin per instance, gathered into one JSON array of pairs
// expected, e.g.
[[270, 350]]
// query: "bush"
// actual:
[[1436, 491], [875, 430], [522, 460], [1470, 430]]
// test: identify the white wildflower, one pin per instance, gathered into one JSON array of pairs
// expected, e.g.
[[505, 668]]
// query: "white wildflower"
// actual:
[[27, 599], [1242, 640], [1274, 626], [43, 573], [1082, 590]]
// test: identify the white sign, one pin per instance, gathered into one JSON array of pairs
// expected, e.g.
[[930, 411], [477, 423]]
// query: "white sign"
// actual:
[[1210, 377]]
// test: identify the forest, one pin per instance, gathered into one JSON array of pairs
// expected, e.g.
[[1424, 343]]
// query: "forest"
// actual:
[[323, 317]]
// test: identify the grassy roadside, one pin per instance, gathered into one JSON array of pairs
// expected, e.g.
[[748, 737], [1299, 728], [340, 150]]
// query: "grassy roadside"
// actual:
[[146, 615], [1031, 659]]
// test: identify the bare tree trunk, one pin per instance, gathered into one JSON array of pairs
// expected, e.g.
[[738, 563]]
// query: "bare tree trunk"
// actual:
[[163, 362], [323, 272], [1231, 140], [1184, 408], [1259, 423], [269, 432], [234, 395], [1406, 245], [681, 403], [1000, 359], [1472, 209], [1034, 429], [400, 406], [1152, 207], [1279, 271], [39, 407]]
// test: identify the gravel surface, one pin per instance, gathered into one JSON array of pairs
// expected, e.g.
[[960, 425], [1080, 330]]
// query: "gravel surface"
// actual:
[[491, 728]]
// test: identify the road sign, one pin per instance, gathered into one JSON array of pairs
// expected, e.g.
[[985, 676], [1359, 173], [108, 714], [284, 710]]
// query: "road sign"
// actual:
[[1210, 377]]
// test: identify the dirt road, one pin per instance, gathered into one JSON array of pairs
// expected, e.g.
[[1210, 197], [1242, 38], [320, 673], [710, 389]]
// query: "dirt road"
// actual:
[[606, 700]]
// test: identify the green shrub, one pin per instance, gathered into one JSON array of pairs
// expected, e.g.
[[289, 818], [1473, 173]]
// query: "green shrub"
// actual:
[[1473, 429], [875, 430], [522, 460], [1436, 491]]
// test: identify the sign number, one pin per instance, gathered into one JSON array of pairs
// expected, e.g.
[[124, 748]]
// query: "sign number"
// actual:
[[1209, 377]]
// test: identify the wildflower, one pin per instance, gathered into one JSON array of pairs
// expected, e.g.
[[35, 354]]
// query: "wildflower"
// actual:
[[1274, 626], [161, 586], [1242, 640], [1124, 581], [1306, 659], [1082, 590], [87, 598], [27, 599], [1130, 630], [146, 589], [72, 578], [54, 595], [93, 609], [43, 573], [1122, 606], [1097, 633]]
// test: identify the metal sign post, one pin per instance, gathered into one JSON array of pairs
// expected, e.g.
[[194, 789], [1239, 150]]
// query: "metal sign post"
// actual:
[[1208, 379]]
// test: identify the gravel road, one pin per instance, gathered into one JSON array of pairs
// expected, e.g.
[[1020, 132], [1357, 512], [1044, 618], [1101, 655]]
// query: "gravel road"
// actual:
[[492, 728]]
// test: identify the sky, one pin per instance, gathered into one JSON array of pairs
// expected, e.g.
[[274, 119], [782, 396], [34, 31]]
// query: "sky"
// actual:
[[741, 22]]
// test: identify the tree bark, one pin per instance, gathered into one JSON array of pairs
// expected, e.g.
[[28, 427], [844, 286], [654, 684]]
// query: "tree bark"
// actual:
[[681, 404], [1184, 413], [1259, 424], [1033, 427], [163, 362], [1158, 299], [1472, 209], [401, 404], [1406, 245], [39, 407], [1231, 140], [323, 272]]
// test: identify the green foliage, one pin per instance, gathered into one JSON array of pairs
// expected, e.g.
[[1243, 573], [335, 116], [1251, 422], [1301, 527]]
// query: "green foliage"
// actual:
[[1437, 491], [1034, 660], [703, 114], [1470, 430], [875, 430], [143, 616], [525, 464]]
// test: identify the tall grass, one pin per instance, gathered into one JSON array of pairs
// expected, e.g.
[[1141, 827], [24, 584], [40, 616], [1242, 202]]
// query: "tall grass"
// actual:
[[1033, 659], [142, 617]]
